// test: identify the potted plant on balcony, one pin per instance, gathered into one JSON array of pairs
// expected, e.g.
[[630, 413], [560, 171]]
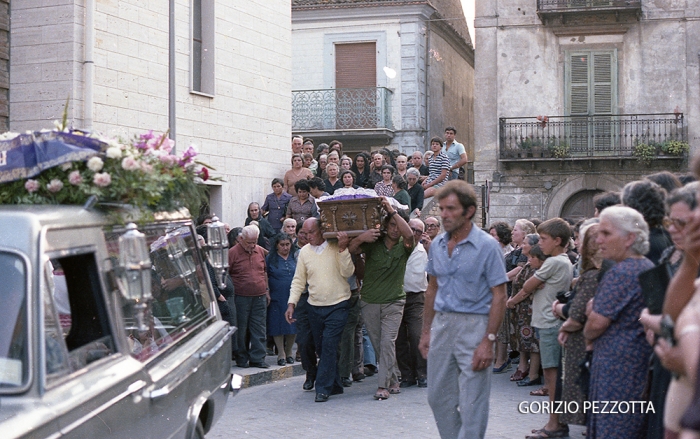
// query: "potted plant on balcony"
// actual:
[[530, 146], [675, 147], [560, 150], [645, 152]]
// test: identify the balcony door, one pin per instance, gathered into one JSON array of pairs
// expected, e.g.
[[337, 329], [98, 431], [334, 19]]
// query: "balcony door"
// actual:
[[356, 86], [591, 92]]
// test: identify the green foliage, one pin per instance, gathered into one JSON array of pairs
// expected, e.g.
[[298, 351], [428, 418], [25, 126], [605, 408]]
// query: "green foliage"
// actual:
[[675, 147], [528, 143], [645, 152], [559, 150]]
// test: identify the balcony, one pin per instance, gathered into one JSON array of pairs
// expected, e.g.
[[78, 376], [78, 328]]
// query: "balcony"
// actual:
[[565, 10], [623, 136], [351, 113]]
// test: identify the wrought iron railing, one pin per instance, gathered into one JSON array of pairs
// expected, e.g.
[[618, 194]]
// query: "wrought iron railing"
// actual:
[[341, 109], [617, 135], [567, 5]]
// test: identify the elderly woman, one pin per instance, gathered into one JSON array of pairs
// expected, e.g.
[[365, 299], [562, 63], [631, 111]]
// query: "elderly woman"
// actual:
[[415, 191], [281, 265], [620, 351], [345, 163], [322, 163], [361, 169], [333, 157], [266, 230], [298, 172], [383, 188], [515, 261], [289, 227], [520, 305], [332, 182], [571, 332], [302, 206], [439, 166], [276, 204], [648, 198]]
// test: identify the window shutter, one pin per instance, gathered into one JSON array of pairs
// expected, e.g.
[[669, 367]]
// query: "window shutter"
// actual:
[[356, 65], [579, 87], [602, 83]]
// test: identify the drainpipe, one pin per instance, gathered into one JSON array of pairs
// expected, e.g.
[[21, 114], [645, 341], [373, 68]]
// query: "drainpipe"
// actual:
[[427, 87], [89, 64], [171, 72]]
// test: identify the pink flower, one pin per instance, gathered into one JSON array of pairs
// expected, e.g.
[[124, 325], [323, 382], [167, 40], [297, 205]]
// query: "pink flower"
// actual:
[[54, 185], [161, 143], [168, 160], [147, 168], [32, 186], [130, 164], [102, 179], [144, 138], [188, 156], [75, 178]]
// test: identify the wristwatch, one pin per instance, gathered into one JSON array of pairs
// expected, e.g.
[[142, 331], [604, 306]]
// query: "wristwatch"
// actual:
[[491, 336]]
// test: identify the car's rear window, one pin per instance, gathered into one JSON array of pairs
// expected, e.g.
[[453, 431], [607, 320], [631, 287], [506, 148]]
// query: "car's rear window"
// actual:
[[14, 343]]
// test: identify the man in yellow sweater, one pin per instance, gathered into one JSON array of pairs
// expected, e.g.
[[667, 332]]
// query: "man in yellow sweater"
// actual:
[[325, 267]]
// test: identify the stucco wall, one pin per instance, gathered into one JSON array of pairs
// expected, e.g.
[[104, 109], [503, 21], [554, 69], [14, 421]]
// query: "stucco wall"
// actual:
[[520, 73], [241, 131]]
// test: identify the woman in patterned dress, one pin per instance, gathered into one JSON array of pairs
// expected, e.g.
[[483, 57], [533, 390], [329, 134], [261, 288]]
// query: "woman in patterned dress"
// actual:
[[620, 350], [571, 332]]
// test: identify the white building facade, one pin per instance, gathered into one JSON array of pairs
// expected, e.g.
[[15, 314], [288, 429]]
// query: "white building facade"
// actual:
[[231, 94]]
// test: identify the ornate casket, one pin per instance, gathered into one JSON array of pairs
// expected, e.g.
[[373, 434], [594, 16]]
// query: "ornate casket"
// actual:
[[352, 216]]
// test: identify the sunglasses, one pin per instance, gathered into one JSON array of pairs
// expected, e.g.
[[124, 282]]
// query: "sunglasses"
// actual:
[[677, 223], [419, 231]]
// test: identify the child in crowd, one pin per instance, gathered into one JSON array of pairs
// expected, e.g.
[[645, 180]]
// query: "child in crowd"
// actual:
[[553, 277]]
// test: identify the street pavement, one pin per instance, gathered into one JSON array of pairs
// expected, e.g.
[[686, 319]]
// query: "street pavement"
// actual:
[[281, 409]]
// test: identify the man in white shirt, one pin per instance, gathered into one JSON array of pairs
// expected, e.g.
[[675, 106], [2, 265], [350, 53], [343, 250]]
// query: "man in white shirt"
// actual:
[[413, 366]]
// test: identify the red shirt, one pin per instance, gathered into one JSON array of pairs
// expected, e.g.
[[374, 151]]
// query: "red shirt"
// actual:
[[248, 271]]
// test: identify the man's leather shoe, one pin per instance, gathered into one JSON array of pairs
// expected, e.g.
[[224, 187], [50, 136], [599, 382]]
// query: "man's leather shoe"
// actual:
[[260, 365], [309, 383], [321, 397], [337, 391], [347, 382], [358, 376], [422, 382], [407, 383], [243, 365]]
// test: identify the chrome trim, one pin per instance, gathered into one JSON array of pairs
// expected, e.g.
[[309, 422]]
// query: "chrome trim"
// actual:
[[31, 327]]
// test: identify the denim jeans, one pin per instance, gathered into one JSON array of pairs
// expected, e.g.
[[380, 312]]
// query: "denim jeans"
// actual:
[[251, 313], [305, 341], [327, 324]]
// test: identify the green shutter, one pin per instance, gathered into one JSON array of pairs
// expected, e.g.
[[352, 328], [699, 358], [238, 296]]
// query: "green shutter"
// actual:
[[591, 94]]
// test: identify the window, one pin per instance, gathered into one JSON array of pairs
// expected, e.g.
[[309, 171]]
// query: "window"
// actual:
[[591, 94], [14, 340], [202, 47], [179, 287]]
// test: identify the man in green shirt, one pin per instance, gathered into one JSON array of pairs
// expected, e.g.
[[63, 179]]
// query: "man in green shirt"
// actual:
[[383, 298]]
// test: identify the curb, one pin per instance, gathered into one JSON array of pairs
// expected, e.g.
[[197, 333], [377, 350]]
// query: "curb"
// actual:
[[266, 376]]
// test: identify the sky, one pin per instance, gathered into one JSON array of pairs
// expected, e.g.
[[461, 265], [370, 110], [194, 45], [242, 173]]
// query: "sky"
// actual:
[[468, 6]]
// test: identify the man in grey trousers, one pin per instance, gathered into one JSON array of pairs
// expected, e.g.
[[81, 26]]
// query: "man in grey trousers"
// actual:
[[464, 306]]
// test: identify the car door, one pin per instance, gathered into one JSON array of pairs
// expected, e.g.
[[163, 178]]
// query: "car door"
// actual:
[[91, 383]]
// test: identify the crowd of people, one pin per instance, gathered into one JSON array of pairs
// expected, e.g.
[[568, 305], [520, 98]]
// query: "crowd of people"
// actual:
[[601, 309]]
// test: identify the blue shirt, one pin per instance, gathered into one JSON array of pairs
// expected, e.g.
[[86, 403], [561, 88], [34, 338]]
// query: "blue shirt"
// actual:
[[465, 279], [454, 153]]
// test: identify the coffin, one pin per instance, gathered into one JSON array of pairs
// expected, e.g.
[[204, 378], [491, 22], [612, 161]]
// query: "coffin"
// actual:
[[350, 216]]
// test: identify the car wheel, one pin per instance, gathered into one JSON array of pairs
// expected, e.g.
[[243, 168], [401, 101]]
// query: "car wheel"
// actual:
[[198, 431]]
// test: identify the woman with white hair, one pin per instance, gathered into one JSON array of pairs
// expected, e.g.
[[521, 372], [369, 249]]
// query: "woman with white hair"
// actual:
[[620, 351]]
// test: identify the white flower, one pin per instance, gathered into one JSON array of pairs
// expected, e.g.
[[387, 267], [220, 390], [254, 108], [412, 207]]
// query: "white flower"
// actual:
[[31, 186], [54, 185], [114, 152], [95, 164], [9, 135], [102, 179], [66, 166]]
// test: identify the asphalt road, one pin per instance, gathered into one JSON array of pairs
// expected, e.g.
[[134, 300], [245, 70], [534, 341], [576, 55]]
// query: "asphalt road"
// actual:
[[283, 410]]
